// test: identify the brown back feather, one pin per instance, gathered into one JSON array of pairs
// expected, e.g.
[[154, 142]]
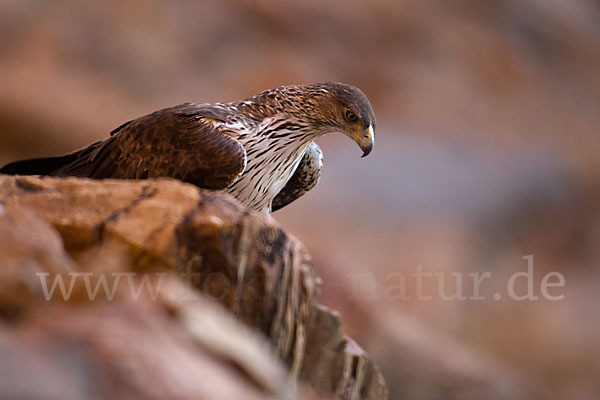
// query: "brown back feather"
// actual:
[[176, 142]]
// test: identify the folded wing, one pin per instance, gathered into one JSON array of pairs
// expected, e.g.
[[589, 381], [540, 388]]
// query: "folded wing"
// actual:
[[181, 142], [305, 177]]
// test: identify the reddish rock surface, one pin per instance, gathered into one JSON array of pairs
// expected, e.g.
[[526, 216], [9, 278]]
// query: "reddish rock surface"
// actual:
[[166, 339]]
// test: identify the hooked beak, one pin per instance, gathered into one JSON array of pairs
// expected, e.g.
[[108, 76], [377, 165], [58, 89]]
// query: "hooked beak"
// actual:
[[365, 139]]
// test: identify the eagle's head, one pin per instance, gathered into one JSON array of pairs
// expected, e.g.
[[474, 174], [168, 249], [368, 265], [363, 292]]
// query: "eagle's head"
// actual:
[[345, 108], [317, 109]]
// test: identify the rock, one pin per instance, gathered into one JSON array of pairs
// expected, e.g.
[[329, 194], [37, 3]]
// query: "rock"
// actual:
[[27, 246], [134, 231]]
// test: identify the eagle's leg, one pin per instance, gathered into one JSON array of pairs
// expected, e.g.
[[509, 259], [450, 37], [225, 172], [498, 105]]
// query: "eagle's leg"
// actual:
[[305, 177]]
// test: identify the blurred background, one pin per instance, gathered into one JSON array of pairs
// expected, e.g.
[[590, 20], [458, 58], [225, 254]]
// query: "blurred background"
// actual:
[[487, 150]]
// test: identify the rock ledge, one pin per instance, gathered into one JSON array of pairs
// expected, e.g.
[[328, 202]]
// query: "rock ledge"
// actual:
[[185, 246]]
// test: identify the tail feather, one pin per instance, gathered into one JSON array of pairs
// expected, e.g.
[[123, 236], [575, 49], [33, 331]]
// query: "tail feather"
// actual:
[[38, 166], [84, 163]]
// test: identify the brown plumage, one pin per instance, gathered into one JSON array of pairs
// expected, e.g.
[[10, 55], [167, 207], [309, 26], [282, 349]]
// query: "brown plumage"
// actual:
[[260, 150]]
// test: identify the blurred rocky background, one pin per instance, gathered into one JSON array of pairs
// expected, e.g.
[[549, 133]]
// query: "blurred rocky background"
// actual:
[[487, 150]]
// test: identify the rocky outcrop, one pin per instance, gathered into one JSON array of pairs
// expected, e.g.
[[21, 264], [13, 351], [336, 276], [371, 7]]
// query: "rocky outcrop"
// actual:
[[142, 263]]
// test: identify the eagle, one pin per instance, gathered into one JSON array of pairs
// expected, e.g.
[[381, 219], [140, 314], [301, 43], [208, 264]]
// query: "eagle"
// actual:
[[261, 149]]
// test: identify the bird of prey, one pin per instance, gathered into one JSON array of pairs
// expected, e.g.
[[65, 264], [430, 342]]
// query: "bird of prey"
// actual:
[[261, 150]]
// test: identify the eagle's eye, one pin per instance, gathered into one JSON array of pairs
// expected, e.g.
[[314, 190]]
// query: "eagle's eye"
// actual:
[[351, 116]]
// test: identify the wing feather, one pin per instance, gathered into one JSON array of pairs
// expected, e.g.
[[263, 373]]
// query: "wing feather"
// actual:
[[178, 142], [305, 177]]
